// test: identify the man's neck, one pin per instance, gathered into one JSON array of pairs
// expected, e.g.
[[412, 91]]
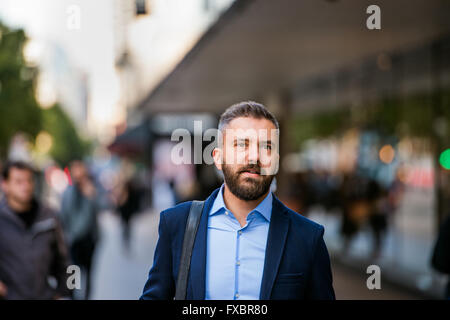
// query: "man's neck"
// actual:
[[240, 208], [19, 207]]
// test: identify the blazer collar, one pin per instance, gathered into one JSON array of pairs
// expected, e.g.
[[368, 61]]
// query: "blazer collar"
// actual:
[[278, 229]]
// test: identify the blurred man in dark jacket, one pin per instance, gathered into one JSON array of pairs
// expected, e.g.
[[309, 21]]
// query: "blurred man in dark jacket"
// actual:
[[32, 248], [441, 254]]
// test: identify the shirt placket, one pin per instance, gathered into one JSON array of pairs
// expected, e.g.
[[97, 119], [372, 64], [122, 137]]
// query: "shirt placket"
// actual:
[[237, 265]]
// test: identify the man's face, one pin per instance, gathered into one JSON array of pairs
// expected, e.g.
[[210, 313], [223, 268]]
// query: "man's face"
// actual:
[[78, 171], [248, 157], [19, 186]]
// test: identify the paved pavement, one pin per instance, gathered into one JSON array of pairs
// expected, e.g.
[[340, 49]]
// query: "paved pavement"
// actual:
[[120, 274], [350, 284], [407, 249]]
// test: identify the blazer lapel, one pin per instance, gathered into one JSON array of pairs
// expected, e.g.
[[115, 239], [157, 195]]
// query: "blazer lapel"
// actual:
[[198, 259], [278, 229]]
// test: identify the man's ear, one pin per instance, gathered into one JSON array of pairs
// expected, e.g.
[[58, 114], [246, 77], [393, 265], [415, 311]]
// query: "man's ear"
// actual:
[[218, 158]]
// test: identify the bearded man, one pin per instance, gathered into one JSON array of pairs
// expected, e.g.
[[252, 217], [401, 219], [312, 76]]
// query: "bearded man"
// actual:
[[248, 244]]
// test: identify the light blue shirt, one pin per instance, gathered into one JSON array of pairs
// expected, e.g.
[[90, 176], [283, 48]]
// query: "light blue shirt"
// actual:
[[235, 255]]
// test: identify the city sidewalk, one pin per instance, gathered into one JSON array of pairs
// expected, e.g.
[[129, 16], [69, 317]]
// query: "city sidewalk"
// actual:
[[407, 248], [119, 274]]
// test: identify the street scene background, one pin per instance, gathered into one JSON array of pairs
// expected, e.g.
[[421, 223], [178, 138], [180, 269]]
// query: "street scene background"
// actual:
[[91, 92]]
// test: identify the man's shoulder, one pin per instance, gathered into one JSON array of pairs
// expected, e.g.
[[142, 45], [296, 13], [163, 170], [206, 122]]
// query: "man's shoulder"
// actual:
[[177, 216], [303, 231], [43, 211], [3, 205], [301, 222], [177, 213], [46, 212]]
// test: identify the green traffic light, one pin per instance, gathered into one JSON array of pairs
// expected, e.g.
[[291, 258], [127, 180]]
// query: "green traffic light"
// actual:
[[444, 159]]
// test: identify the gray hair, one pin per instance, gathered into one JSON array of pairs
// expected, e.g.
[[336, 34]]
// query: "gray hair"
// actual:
[[246, 109]]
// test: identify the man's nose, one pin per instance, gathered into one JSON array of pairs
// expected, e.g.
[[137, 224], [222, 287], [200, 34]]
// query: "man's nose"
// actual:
[[253, 154]]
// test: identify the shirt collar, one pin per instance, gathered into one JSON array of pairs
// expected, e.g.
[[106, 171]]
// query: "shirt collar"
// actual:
[[264, 207]]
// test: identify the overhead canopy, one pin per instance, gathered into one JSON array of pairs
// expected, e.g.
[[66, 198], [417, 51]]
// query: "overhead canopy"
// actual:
[[265, 46], [133, 142]]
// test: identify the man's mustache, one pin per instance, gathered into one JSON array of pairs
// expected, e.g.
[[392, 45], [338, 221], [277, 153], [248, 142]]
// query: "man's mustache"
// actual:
[[252, 168]]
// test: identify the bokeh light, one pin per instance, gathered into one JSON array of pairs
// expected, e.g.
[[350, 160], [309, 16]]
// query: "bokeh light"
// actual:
[[57, 179], [44, 142], [444, 159]]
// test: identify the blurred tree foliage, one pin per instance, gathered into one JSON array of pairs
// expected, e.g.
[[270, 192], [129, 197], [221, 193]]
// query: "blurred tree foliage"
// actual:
[[19, 110], [318, 125], [67, 144], [412, 116]]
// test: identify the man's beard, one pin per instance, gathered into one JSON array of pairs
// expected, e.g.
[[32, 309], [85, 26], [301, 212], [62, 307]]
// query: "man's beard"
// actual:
[[251, 189]]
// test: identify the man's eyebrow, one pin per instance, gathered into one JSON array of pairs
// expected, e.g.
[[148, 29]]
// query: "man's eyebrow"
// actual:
[[247, 139]]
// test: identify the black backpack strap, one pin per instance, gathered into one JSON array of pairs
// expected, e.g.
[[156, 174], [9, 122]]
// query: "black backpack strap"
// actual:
[[188, 244]]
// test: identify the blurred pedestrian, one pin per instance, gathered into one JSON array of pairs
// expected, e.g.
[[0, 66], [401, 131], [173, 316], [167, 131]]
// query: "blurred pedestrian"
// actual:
[[79, 210], [441, 253], [358, 196], [128, 202], [378, 222], [32, 248], [387, 201]]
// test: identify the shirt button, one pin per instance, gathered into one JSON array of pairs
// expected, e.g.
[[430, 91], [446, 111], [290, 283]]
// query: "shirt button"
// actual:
[[238, 263], [240, 232], [226, 212], [236, 295]]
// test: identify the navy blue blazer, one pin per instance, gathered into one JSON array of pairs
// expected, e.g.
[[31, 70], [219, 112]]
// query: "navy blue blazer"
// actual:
[[297, 264]]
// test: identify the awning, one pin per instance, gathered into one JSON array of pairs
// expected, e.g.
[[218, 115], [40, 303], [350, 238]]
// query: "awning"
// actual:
[[134, 142], [262, 47]]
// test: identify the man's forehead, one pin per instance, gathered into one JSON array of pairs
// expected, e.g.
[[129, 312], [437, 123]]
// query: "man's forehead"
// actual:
[[20, 172], [266, 134], [250, 128], [250, 123]]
